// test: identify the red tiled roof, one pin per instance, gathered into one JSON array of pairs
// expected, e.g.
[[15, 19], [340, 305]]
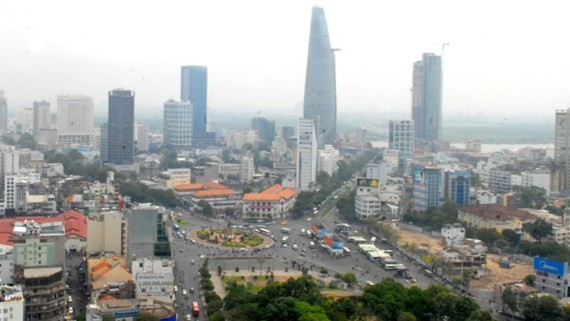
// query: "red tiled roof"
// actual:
[[213, 192], [274, 193], [75, 224], [188, 187], [497, 212], [200, 186]]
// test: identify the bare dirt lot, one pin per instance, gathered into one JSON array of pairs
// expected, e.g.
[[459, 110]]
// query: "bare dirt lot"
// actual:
[[496, 275]]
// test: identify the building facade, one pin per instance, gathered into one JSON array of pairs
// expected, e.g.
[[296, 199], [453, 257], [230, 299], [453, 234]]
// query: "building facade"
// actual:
[[194, 88], [320, 80], [107, 233], [328, 159], [306, 154], [401, 138], [427, 188], [178, 124], [146, 234], [3, 112], [75, 119], [274, 202], [500, 180], [120, 128], [141, 137], [457, 185], [265, 128], [42, 117], [426, 98]]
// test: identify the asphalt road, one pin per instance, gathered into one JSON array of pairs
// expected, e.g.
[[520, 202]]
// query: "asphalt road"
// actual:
[[276, 257]]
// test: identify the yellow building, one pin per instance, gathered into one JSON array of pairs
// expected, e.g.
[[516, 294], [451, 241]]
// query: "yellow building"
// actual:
[[495, 216]]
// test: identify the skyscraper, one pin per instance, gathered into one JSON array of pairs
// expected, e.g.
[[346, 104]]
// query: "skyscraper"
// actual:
[[427, 188], [426, 97], [178, 124], [3, 112], [141, 137], [194, 88], [562, 150], [41, 115], [75, 119], [264, 127], [401, 138], [120, 127], [307, 148], [320, 80]]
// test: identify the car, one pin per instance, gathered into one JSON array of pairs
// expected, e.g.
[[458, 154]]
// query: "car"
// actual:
[[181, 251], [369, 283], [70, 310], [303, 254], [284, 223], [69, 299], [192, 262], [309, 219], [184, 292], [191, 290], [202, 256], [175, 289]]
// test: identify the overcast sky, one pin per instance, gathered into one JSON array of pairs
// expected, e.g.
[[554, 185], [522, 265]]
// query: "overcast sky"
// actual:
[[504, 56]]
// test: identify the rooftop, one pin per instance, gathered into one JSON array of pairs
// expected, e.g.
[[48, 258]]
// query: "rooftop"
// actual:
[[498, 212], [41, 272], [273, 193]]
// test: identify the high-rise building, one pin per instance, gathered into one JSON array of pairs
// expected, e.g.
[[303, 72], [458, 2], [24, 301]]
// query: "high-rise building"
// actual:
[[9, 166], [562, 148], [42, 119], [120, 127], [194, 88], [457, 185], [3, 112], [141, 137], [426, 97], [178, 124], [427, 188], [265, 128], [401, 138], [320, 80], [24, 120], [328, 159], [146, 234], [307, 148], [75, 119]]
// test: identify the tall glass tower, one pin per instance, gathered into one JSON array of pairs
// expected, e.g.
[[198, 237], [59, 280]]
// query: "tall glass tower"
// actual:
[[120, 127], [426, 97], [194, 88], [320, 80]]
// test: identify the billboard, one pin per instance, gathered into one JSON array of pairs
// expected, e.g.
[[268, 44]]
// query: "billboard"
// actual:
[[155, 283], [550, 266], [367, 182]]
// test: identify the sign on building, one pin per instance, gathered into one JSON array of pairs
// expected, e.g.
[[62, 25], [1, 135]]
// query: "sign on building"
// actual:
[[550, 266], [367, 182], [155, 283]]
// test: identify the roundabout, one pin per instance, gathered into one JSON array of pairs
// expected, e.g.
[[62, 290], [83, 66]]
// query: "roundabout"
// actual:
[[230, 238]]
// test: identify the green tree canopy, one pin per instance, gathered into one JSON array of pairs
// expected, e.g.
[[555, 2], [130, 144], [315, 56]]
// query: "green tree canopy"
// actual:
[[538, 229]]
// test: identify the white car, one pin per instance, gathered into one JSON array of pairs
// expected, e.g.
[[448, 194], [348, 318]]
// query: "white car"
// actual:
[[69, 299], [184, 292], [70, 310], [175, 288], [309, 219]]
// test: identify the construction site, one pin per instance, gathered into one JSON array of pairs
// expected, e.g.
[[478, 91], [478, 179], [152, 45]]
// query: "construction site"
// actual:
[[495, 269]]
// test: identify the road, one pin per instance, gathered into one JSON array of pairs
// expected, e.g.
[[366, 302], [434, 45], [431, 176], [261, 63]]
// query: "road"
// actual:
[[276, 257]]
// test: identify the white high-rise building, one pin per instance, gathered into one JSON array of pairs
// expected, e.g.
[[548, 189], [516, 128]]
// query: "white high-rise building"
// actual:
[[25, 120], [178, 124], [237, 138], [401, 138], [246, 169], [9, 166], [328, 159], [141, 137], [307, 147], [75, 119]]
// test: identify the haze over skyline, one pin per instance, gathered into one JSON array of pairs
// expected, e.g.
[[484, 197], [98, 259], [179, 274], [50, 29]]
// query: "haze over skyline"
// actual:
[[504, 57]]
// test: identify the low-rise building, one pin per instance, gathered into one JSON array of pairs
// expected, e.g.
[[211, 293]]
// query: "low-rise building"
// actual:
[[174, 177], [107, 233], [11, 303], [274, 202], [494, 216]]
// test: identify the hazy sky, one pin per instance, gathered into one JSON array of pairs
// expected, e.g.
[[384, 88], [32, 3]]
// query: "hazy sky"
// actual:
[[503, 57]]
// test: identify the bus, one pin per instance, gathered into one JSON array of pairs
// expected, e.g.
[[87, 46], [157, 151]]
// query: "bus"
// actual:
[[195, 309], [346, 251], [264, 231], [391, 267], [286, 230]]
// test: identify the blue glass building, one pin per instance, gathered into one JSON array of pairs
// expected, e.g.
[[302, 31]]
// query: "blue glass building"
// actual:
[[194, 88]]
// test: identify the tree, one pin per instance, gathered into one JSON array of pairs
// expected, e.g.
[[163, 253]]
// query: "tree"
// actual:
[[531, 197], [529, 279], [489, 236], [538, 229], [406, 316], [542, 308], [147, 317], [27, 141], [509, 298], [511, 237], [207, 209]]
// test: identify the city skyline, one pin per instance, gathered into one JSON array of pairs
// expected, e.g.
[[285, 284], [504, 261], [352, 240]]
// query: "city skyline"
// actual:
[[482, 65]]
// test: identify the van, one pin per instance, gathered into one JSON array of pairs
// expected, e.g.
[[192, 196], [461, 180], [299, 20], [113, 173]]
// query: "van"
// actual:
[[369, 283], [428, 273]]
